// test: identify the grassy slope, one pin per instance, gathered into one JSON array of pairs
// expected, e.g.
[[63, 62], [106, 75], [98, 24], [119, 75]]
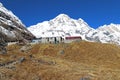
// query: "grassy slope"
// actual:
[[72, 61]]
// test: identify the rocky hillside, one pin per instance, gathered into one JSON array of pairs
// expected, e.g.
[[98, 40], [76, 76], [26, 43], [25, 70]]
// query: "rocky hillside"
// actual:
[[73, 61], [11, 28]]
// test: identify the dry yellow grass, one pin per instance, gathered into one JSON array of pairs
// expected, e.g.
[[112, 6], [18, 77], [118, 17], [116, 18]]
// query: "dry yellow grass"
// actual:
[[74, 61]]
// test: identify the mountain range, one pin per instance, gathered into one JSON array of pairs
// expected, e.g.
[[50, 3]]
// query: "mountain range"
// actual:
[[12, 29], [63, 26]]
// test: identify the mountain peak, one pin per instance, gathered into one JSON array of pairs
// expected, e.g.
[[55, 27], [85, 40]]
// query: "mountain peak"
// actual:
[[80, 19], [61, 25], [62, 15], [61, 18]]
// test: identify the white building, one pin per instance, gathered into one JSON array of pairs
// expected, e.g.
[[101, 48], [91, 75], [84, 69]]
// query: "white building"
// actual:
[[55, 37]]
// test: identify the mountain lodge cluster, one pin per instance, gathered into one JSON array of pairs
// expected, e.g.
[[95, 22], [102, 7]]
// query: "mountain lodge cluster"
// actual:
[[57, 39]]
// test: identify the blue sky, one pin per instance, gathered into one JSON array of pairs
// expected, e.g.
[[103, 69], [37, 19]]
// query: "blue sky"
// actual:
[[94, 12]]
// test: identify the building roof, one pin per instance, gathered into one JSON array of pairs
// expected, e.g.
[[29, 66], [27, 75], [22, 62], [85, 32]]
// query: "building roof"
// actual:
[[73, 37]]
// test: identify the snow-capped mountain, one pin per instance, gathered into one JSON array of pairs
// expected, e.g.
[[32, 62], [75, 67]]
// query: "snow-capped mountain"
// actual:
[[63, 26], [106, 34], [11, 27], [112, 31]]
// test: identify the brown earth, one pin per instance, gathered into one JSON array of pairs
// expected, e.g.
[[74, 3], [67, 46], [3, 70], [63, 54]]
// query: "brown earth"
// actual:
[[74, 61]]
